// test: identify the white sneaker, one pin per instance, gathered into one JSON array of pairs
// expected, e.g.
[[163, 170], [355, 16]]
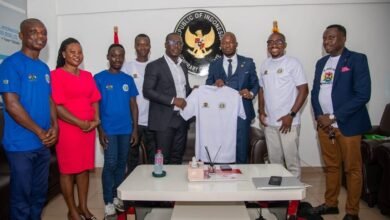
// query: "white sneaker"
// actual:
[[119, 205], [109, 211]]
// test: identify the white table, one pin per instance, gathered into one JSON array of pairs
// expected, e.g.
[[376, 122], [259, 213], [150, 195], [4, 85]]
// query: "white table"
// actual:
[[140, 185]]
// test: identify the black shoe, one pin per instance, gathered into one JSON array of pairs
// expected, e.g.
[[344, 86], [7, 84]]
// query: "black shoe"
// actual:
[[351, 217], [325, 210]]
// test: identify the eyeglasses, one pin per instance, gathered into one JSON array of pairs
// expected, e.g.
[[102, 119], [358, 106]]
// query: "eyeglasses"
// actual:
[[174, 43], [277, 42]]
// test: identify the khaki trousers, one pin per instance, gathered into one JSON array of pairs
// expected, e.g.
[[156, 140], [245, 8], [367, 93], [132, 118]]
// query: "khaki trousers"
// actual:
[[283, 148], [343, 153]]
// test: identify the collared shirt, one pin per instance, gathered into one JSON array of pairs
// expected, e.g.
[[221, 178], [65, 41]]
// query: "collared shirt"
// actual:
[[30, 80], [279, 79], [178, 77], [226, 63], [215, 108]]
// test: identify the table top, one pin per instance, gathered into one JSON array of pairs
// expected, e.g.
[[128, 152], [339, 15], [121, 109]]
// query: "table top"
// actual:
[[140, 185]]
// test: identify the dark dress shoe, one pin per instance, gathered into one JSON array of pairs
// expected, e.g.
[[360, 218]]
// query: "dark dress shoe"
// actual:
[[325, 210], [351, 217]]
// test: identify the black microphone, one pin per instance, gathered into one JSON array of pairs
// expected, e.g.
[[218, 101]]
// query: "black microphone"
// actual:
[[208, 156]]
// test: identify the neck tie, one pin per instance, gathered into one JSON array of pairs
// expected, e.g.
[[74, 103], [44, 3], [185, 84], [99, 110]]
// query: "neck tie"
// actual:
[[230, 68]]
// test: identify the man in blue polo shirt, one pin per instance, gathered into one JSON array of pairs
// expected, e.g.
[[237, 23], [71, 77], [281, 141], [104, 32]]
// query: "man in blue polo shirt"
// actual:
[[119, 115], [30, 121]]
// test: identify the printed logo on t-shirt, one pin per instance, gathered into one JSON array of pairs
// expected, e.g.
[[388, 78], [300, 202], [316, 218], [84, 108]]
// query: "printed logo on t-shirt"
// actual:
[[47, 77], [5, 81], [109, 87], [125, 87], [32, 77], [327, 76]]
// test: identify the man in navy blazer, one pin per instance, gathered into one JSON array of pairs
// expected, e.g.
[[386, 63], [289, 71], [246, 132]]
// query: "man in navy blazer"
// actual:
[[341, 90], [239, 73], [166, 86]]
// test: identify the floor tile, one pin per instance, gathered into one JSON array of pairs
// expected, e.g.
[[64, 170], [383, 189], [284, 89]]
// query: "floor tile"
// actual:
[[56, 209]]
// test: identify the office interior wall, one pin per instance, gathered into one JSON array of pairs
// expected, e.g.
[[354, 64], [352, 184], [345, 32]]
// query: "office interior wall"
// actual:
[[302, 21], [11, 14]]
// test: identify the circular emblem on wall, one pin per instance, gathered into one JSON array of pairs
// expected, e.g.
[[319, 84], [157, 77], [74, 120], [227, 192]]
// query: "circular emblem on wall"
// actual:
[[201, 32]]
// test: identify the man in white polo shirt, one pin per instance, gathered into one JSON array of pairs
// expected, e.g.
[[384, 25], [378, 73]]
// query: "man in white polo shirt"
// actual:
[[283, 90]]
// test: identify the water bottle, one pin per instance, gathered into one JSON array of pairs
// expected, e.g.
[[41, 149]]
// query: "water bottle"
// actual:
[[158, 162]]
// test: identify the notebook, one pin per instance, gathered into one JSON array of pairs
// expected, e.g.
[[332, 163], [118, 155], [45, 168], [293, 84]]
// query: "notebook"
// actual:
[[288, 182]]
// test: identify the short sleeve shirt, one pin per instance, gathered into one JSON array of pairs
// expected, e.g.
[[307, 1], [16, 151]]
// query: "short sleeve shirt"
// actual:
[[216, 111], [137, 70], [30, 80], [279, 79], [116, 90]]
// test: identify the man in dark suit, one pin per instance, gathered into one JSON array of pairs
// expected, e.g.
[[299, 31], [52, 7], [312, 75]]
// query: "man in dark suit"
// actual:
[[239, 73], [166, 86], [341, 90]]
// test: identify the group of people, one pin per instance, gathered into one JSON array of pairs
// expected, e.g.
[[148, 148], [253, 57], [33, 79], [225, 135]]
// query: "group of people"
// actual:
[[341, 90], [139, 102]]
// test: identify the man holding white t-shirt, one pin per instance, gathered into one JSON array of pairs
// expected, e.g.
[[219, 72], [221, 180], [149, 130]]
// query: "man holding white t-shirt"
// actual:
[[283, 90]]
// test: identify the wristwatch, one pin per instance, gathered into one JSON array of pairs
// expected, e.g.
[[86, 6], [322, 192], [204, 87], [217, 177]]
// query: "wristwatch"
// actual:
[[292, 114], [332, 117]]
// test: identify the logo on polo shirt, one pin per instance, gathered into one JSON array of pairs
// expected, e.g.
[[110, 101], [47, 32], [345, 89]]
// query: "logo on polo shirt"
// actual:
[[47, 77], [32, 77], [5, 81], [125, 87], [201, 32], [109, 87]]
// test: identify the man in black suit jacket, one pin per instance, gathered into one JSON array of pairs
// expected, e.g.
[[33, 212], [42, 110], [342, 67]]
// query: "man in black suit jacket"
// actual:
[[166, 86]]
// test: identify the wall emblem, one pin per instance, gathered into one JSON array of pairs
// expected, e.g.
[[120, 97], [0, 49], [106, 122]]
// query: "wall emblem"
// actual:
[[201, 31]]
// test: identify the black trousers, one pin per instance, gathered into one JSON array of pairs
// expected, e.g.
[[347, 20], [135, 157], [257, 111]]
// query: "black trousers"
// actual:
[[147, 137], [172, 142]]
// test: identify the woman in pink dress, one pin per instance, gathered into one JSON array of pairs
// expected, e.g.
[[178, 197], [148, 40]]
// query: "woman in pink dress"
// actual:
[[76, 97]]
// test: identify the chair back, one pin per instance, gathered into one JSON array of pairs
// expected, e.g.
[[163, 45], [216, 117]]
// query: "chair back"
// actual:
[[384, 126]]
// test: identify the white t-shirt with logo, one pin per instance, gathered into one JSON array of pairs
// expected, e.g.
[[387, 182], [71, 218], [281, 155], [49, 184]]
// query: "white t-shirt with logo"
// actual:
[[279, 79], [326, 84], [137, 71], [216, 111]]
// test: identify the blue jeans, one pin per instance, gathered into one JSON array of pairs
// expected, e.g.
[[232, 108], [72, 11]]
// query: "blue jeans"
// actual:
[[29, 182], [115, 158]]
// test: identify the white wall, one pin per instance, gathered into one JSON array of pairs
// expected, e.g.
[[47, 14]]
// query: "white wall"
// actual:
[[11, 14], [302, 21]]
